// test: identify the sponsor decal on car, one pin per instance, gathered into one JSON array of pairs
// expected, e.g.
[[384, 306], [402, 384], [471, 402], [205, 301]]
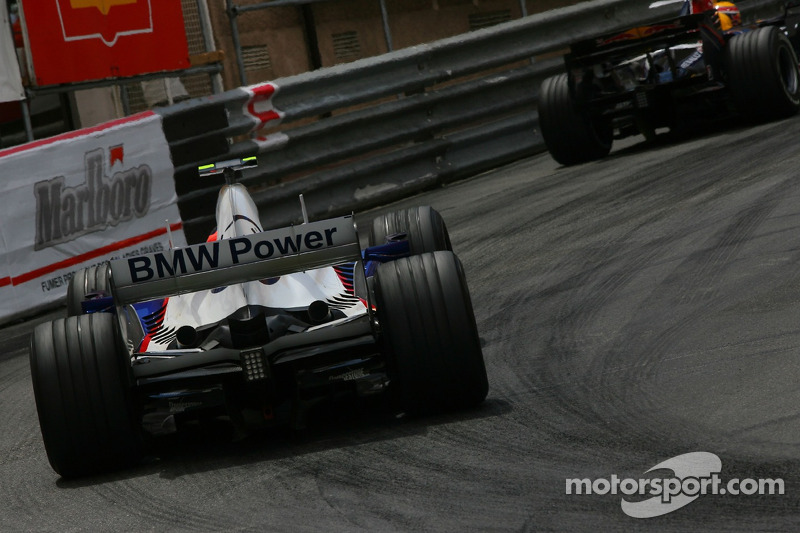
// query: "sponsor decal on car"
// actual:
[[241, 250], [213, 264]]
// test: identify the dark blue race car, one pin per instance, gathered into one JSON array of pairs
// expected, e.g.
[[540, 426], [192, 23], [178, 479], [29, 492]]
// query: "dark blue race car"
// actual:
[[702, 64]]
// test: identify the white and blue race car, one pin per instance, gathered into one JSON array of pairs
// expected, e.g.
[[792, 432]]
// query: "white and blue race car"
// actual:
[[258, 326]]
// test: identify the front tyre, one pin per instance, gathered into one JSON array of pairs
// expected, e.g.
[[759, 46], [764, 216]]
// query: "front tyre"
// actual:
[[424, 227], [434, 356], [81, 391], [571, 134], [84, 282]]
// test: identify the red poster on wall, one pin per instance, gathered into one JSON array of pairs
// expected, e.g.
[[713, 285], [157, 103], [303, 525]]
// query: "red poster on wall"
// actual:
[[81, 40]]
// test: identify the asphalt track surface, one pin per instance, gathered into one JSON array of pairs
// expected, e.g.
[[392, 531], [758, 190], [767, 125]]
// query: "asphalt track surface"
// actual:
[[631, 310]]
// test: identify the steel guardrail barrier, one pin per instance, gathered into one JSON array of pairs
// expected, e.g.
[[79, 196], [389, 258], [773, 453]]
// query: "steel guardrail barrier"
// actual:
[[356, 135]]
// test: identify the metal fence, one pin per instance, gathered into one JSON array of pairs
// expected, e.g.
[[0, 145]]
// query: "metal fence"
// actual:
[[358, 135]]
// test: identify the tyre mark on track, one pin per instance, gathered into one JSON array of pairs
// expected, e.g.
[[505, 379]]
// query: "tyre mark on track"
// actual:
[[691, 292], [156, 505], [727, 245], [605, 272], [18, 418]]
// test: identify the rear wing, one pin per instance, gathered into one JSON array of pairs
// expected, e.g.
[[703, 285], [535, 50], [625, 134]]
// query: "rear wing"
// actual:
[[230, 261], [634, 41]]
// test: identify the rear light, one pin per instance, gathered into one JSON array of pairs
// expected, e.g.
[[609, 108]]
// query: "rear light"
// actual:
[[254, 365]]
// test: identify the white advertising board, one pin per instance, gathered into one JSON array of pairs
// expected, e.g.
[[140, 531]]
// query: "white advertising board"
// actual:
[[78, 199]]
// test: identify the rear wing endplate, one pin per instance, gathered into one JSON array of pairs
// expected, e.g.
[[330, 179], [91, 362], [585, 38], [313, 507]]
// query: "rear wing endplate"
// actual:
[[230, 261]]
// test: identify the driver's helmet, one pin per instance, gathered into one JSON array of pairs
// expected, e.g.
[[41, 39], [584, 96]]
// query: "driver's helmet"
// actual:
[[728, 14]]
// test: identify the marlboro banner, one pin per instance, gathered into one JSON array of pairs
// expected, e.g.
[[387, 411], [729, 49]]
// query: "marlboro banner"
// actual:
[[82, 40], [10, 80], [78, 199]]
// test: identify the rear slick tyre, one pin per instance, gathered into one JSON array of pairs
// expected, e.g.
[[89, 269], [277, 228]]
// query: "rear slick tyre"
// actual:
[[433, 350], [763, 74], [571, 134], [82, 395]]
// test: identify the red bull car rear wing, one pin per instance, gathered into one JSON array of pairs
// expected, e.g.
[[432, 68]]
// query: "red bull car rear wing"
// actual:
[[226, 262], [636, 40]]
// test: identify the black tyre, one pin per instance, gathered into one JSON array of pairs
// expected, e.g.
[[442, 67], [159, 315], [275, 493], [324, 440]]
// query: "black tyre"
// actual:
[[762, 74], [424, 226], [81, 391], [434, 354], [571, 134], [86, 281]]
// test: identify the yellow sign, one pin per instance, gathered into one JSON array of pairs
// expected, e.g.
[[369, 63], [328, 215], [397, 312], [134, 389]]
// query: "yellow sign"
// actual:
[[103, 5]]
